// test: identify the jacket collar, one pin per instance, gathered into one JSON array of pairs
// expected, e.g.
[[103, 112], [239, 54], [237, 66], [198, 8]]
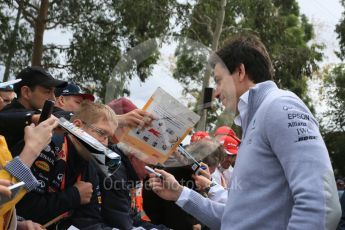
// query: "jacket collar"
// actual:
[[256, 96]]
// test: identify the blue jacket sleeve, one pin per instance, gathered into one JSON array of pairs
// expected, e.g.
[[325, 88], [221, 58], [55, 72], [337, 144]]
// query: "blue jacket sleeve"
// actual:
[[293, 134], [22, 173], [205, 210]]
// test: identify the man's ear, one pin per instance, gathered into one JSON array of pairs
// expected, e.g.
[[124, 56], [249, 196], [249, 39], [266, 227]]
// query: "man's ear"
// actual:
[[25, 92], [61, 100], [78, 123], [241, 72]]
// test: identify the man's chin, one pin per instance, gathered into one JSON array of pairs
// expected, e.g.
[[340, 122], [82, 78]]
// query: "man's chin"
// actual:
[[231, 110]]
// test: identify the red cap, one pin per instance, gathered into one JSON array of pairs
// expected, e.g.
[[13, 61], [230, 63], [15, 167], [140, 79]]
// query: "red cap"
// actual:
[[122, 106], [197, 136], [230, 145], [224, 130]]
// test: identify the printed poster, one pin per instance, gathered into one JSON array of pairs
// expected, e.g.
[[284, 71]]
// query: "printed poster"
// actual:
[[173, 122]]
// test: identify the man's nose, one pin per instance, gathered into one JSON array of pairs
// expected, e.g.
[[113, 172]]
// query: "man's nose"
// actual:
[[216, 93], [52, 96]]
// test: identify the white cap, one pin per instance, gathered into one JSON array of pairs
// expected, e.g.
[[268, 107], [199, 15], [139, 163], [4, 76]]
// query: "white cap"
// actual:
[[7, 83]]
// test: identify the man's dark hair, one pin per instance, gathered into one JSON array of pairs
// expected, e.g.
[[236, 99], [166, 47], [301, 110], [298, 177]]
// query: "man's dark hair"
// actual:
[[249, 51]]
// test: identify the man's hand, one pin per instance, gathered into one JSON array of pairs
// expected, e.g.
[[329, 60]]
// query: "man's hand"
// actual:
[[135, 118], [28, 225], [205, 171], [168, 188], [85, 191], [36, 139], [35, 118], [201, 182]]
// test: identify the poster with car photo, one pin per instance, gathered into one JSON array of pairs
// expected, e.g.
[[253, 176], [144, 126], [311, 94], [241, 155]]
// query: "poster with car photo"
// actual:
[[173, 122]]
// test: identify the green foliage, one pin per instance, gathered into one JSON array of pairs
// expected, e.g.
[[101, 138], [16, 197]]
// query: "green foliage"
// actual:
[[340, 30], [286, 34], [102, 31], [334, 117], [335, 94], [335, 142], [22, 54], [117, 27], [92, 58]]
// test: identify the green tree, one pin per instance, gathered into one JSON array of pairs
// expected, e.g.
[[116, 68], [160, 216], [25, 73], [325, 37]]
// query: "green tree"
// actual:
[[102, 32], [333, 92], [43, 15], [15, 39], [117, 27], [335, 142], [340, 30], [283, 30]]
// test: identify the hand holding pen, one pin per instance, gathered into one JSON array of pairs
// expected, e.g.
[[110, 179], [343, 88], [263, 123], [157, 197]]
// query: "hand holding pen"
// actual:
[[165, 185]]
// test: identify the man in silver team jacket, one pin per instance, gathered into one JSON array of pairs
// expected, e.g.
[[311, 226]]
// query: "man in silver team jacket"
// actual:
[[283, 178]]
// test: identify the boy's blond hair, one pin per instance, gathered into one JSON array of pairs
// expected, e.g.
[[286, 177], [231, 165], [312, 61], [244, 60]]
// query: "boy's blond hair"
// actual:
[[91, 112]]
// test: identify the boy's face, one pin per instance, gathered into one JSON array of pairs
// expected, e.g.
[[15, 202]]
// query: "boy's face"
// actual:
[[101, 130], [6, 98]]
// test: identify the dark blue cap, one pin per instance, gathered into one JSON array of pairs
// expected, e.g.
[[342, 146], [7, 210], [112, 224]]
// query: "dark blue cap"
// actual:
[[73, 90]]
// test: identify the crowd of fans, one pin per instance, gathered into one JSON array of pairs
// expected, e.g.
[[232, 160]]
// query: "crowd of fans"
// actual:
[[63, 187]]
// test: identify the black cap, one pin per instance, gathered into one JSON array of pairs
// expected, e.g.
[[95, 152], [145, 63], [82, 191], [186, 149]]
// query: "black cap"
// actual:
[[35, 75], [73, 90]]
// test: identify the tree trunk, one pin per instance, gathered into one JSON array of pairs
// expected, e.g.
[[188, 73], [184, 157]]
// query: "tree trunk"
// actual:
[[215, 40], [12, 44], [40, 25]]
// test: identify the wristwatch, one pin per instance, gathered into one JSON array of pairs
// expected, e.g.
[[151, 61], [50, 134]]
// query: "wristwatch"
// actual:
[[207, 189]]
